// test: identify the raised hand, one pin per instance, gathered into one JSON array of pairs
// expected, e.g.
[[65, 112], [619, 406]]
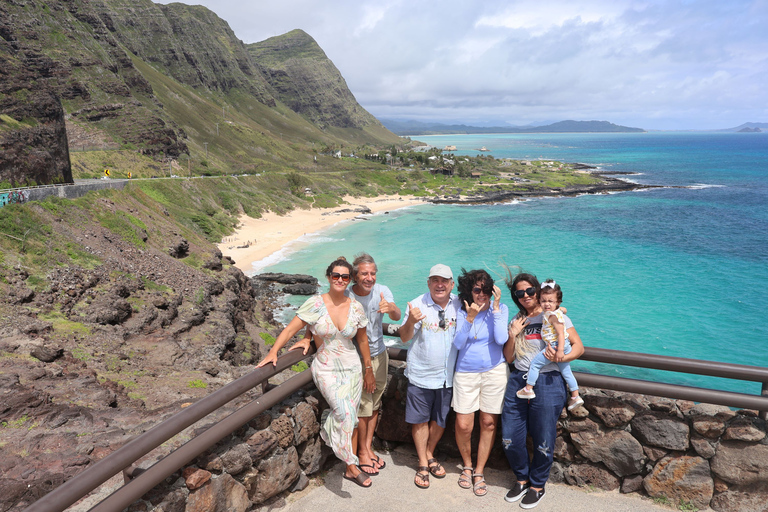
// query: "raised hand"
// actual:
[[414, 314], [474, 309], [384, 306], [517, 325], [496, 298]]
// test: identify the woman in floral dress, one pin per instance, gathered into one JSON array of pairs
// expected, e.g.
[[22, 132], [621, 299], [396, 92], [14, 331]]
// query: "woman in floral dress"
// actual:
[[335, 319]]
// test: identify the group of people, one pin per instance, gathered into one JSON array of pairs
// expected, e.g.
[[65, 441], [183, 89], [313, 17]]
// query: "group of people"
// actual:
[[463, 353]]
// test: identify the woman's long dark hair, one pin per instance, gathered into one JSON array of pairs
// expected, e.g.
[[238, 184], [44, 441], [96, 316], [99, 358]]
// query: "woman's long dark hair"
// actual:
[[512, 285], [468, 280]]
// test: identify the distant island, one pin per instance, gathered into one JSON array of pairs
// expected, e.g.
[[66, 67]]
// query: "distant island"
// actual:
[[747, 128], [420, 128]]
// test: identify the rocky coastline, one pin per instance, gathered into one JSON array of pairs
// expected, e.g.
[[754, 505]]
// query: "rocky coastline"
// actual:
[[495, 194]]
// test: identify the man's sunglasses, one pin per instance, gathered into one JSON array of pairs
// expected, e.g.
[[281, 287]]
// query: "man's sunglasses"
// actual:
[[336, 276], [521, 293], [441, 316]]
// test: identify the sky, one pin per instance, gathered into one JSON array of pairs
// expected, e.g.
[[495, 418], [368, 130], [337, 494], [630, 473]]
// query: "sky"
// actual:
[[685, 64]]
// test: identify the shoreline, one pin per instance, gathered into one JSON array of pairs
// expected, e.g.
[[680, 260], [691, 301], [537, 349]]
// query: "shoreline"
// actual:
[[257, 240]]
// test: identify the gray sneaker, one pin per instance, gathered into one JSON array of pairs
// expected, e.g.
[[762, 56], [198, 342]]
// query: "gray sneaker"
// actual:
[[532, 498]]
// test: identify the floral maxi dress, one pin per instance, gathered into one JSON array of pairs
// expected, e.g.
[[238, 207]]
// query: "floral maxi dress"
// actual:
[[337, 372]]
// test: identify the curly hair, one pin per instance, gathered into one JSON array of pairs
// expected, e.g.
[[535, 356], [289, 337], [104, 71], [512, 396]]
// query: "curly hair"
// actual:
[[468, 280]]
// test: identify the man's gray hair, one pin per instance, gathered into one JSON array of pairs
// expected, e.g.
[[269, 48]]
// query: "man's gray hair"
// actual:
[[361, 258]]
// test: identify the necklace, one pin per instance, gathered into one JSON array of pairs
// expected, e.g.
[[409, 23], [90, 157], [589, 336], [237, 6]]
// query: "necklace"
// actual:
[[474, 324]]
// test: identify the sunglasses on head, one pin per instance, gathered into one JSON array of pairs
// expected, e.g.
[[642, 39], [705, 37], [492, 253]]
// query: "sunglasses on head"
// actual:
[[521, 293], [336, 276]]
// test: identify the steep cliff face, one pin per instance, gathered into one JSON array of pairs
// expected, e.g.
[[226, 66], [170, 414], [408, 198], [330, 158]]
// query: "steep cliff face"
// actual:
[[308, 82], [33, 138], [189, 43], [88, 69], [169, 80]]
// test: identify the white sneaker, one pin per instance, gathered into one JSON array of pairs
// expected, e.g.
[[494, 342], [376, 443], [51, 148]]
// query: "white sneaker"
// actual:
[[574, 402], [525, 395]]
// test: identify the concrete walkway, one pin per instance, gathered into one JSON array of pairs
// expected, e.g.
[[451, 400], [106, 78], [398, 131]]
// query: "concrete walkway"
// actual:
[[393, 489]]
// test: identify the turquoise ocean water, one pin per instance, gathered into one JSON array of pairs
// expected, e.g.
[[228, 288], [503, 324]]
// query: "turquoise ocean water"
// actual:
[[679, 271]]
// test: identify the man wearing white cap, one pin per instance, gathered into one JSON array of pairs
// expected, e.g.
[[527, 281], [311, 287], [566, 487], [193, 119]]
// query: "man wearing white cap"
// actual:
[[430, 321]]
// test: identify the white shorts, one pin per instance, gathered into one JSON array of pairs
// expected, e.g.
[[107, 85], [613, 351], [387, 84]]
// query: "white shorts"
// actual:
[[483, 391]]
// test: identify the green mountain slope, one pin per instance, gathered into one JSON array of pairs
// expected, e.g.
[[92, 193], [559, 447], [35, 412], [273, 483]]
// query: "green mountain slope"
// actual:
[[174, 82]]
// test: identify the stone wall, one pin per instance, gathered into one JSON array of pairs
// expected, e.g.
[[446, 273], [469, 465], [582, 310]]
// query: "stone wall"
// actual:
[[686, 453]]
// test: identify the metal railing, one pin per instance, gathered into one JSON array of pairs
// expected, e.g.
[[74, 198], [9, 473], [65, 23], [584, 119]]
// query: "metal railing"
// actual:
[[654, 388], [122, 459], [139, 482]]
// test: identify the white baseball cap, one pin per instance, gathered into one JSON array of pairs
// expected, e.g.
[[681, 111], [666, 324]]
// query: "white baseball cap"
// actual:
[[441, 270]]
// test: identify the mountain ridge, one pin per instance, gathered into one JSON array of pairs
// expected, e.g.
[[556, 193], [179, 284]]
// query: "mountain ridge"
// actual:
[[172, 80], [568, 126]]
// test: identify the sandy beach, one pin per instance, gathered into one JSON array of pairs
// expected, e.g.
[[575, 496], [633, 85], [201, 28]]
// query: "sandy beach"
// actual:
[[258, 239]]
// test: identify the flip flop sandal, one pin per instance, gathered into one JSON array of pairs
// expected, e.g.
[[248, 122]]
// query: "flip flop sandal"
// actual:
[[465, 480], [360, 479], [437, 470], [422, 473], [369, 473], [479, 488], [380, 463]]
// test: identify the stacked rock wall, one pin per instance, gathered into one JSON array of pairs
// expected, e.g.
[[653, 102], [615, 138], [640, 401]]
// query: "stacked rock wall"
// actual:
[[689, 454]]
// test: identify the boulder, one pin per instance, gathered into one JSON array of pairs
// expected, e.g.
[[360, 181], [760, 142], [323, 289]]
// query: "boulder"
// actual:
[[274, 475], [282, 426], [746, 429], [611, 411], [300, 289], [220, 494], [262, 443], [661, 430], [739, 501], [305, 423], [685, 479], [617, 449], [237, 459], [591, 475], [740, 463]]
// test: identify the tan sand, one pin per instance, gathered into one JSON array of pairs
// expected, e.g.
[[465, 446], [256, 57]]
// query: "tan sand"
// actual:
[[257, 239]]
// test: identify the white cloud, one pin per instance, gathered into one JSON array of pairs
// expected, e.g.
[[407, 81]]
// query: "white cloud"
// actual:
[[651, 63]]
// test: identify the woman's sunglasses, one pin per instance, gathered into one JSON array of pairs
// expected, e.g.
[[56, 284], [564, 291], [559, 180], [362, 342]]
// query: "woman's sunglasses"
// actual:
[[521, 293], [335, 276]]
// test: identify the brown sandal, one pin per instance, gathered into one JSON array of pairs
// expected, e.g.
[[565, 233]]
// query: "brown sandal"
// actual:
[[465, 481], [437, 469], [422, 473]]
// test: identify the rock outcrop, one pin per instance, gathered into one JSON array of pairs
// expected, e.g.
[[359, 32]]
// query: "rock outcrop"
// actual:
[[33, 137]]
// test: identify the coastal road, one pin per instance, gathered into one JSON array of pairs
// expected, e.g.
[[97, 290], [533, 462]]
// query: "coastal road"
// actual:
[[393, 489]]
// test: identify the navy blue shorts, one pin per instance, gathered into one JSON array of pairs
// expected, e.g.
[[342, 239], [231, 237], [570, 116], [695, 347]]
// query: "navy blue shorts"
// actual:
[[425, 405]]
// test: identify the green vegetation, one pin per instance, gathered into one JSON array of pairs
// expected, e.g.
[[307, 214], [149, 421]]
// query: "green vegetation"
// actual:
[[197, 383], [62, 325], [269, 340], [299, 367]]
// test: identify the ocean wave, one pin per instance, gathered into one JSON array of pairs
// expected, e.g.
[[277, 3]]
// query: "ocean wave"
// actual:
[[699, 186], [289, 248]]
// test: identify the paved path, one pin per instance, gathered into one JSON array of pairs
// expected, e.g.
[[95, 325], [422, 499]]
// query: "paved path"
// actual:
[[393, 489]]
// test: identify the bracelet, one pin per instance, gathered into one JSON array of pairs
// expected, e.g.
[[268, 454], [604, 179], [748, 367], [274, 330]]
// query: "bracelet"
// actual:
[[367, 367]]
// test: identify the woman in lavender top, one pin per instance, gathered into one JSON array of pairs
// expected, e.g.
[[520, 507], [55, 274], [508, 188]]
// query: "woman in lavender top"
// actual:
[[481, 371]]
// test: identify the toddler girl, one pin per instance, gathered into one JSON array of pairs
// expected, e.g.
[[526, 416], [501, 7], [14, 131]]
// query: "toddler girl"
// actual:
[[554, 334]]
